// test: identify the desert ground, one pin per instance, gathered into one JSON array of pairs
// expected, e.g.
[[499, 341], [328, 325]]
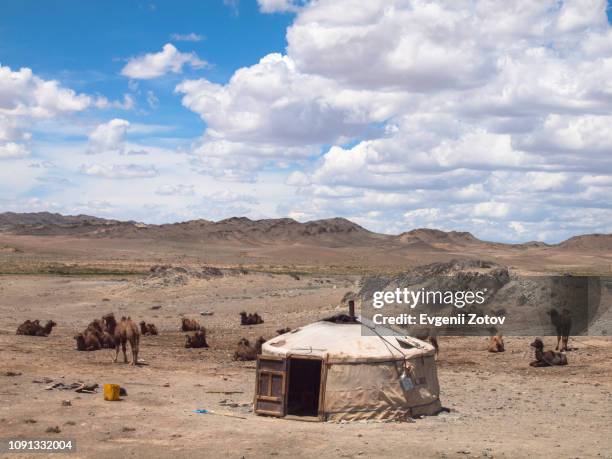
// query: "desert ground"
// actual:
[[498, 406]]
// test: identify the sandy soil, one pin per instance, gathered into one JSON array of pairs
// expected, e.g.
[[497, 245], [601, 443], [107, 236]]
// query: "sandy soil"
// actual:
[[31, 254], [499, 406]]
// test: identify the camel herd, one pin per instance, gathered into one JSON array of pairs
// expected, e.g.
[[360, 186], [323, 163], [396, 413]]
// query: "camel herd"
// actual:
[[107, 333]]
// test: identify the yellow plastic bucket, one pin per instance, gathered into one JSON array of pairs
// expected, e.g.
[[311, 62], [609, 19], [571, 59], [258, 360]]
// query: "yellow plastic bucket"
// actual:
[[111, 392]]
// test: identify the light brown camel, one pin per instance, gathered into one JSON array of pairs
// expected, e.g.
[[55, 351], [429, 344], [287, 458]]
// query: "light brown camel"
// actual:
[[496, 344], [125, 331]]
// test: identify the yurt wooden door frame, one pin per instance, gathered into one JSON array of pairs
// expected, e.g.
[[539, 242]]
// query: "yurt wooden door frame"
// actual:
[[273, 382]]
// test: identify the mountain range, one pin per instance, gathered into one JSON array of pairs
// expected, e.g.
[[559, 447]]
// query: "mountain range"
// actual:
[[333, 232]]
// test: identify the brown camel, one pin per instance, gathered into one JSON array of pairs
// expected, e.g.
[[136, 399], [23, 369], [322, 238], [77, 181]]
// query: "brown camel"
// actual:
[[98, 329], [33, 328], [198, 340], [125, 331], [496, 344], [250, 319], [147, 329], [189, 324], [245, 352], [87, 342], [563, 325], [546, 358], [110, 323]]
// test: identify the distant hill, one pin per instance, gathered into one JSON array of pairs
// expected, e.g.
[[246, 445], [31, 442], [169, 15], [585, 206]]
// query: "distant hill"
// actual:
[[588, 241], [332, 232], [433, 236]]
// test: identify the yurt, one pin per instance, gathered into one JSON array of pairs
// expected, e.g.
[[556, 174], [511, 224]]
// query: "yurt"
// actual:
[[333, 371]]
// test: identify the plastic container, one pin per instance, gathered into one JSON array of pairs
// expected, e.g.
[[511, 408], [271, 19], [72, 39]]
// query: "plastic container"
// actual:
[[111, 392]]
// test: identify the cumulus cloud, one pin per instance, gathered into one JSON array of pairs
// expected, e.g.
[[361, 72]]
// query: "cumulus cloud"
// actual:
[[270, 113], [24, 94], [109, 137], [154, 65], [119, 171], [503, 119], [27, 99]]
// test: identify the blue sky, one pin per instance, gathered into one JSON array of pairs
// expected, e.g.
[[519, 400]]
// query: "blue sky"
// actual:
[[394, 114], [85, 44]]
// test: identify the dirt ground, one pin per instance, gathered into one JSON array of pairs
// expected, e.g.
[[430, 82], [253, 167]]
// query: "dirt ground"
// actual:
[[499, 406]]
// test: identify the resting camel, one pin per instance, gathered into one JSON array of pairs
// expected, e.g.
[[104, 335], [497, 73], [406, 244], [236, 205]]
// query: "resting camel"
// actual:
[[98, 329], [198, 340], [282, 331], [250, 319], [246, 352], [189, 324], [563, 325], [147, 329], [546, 358], [496, 344], [125, 331], [33, 328], [105, 339], [87, 342]]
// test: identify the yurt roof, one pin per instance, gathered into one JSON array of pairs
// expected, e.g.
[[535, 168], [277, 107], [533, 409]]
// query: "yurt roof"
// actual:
[[342, 342]]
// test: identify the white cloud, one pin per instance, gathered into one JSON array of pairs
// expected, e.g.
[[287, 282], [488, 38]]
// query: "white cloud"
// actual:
[[279, 6], [24, 94], [153, 65], [127, 103], [13, 150], [193, 37], [109, 137], [119, 171]]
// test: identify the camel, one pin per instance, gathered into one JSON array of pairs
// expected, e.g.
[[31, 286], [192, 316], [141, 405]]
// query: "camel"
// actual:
[[282, 331], [107, 341], [87, 342], [97, 324], [189, 325], [496, 344], [546, 358], [245, 352], [98, 329], [125, 331], [250, 319], [33, 328], [198, 340], [147, 329], [110, 323], [28, 327], [563, 325]]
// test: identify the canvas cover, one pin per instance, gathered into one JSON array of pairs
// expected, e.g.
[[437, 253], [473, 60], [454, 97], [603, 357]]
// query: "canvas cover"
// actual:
[[345, 343], [363, 373]]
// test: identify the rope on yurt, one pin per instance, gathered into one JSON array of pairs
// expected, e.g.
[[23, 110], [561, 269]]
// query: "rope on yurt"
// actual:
[[399, 374]]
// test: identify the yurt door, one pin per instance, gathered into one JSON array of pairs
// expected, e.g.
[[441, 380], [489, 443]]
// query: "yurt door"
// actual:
[[270, 386]]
